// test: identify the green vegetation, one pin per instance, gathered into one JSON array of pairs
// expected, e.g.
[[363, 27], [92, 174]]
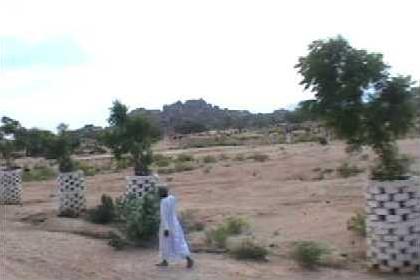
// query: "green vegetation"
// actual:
[[61, 148], [259, 157], [184, 157], [88, 169], [248, 249], [346, 170], [232, 226], [38, 173], [103, 213], [209, 159], [133, 135], [357, 224], [309, 254], [139, 218], [10, 141], [356, 96], [183, 166], [162, 160]]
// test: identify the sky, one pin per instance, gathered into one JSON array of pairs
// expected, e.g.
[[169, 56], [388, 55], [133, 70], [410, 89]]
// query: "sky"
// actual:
[[66, 61]]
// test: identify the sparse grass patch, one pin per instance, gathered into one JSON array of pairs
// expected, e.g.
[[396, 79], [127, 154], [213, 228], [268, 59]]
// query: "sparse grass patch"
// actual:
[[209, 159], [357, 223], [207, 169], [88, 169], [162, 160], [259, 157], [248, 249], [232, 226], [183, 166], [184, 157], [39, 173], [309, 254], [239, 157], [224, 157], [346, 170], [190, 221]]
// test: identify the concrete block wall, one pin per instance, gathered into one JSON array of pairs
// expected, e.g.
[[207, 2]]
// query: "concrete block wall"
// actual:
[[10, 186], [138, 186], [393, 225], [71, 193]]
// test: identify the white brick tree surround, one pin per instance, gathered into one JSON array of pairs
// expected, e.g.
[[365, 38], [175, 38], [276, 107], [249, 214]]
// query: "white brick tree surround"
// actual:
[[10, 186], [393, 225]]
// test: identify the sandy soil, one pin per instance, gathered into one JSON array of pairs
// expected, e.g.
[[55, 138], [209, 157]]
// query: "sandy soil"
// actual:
[[285, 199]]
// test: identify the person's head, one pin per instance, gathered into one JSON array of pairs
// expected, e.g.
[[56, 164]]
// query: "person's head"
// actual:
[[163, 192]]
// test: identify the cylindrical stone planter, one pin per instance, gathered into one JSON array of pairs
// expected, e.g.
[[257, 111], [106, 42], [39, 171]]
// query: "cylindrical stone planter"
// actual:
[[71, 193], [393, 225], [138, 186], [10, 186]]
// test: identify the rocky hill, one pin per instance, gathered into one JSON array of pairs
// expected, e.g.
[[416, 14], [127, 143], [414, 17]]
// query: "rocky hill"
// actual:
[[198, 115]]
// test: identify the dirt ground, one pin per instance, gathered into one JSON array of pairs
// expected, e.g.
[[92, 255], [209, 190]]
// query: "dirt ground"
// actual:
[[285, 199]]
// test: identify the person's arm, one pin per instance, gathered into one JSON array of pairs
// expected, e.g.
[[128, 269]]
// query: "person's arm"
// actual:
[[164, 216]]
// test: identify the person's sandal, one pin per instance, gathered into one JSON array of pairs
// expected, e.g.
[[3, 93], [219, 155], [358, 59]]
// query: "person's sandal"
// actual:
[[162, 264], [190, 263]]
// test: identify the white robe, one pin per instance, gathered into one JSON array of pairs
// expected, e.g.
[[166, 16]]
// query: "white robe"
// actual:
[[174, 247]]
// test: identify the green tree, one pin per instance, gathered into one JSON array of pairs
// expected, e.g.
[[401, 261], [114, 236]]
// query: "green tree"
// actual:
[[357, 97], [61, 147], [133, 135], [11, 141]]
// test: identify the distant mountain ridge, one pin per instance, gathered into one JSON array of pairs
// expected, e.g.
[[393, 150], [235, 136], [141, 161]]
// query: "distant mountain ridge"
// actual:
[[197, 114]]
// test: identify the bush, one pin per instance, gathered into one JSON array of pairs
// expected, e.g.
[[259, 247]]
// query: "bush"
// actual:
[[183, 166], [239, 157], [236, 225], [190, 221], [223, 157], [209, 159], [39, 173], [346, 170], [357, 223], [184, 157], [309, 253], [139, 218], [219, 235], [259, 157], [103, 213], [249, 250], [117, 241], [162, 160], [88, 170]]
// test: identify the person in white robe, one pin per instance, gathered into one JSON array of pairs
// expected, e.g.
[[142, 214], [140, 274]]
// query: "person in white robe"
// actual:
[[172, 243]]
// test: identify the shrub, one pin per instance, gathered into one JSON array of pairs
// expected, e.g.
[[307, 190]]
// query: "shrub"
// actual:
[[346, 170], [219, 235], [166, 170], [183, 166], [248, 249], [117, 241], [184, 157], [190, 221], [239, 157], [309, 253], [162, 160], [357, 224], [39, 173], [236, 225], [123, 163], [259, 157], [223, 157], [103, 213], [88, 170], [139, 218], [209, 159]]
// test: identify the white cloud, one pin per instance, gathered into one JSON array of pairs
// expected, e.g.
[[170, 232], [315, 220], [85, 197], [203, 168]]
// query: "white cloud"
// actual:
[[237, 54]]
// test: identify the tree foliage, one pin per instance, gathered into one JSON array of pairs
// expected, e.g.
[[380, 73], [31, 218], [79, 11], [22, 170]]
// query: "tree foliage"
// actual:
[[11, 140], [133, 135], [357, 97], [61, 147]]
